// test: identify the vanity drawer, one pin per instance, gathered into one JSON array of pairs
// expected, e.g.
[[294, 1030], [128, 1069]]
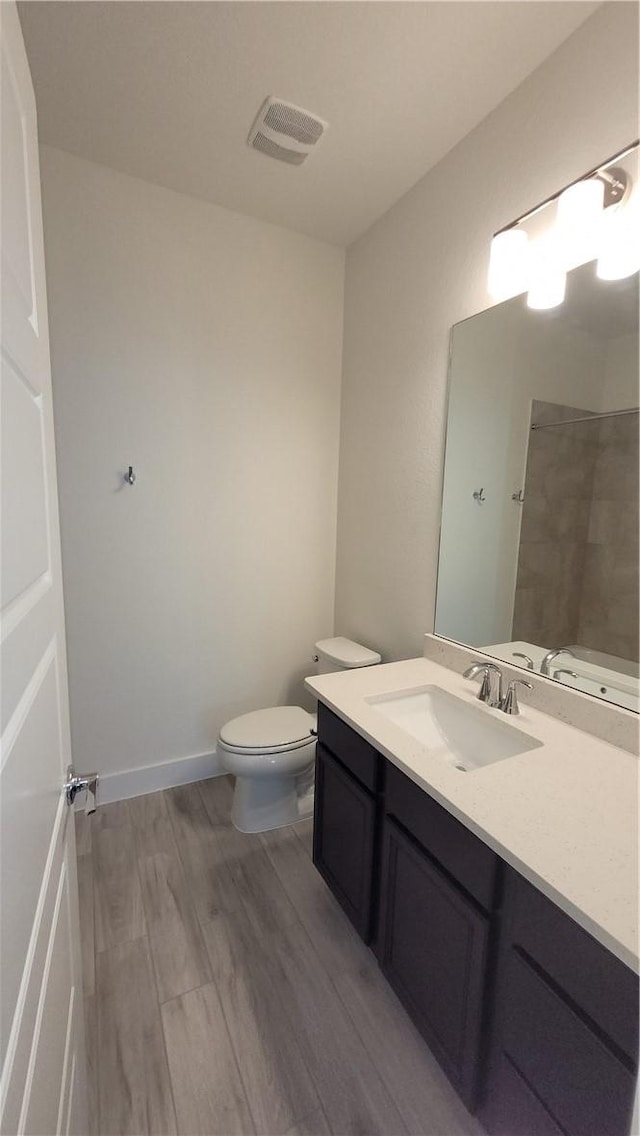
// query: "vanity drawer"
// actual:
[[571, 1070], [459, 852], [353, 751], [603, 987]]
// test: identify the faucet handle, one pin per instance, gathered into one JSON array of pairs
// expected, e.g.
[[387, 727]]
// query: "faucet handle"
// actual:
[[510, 701]]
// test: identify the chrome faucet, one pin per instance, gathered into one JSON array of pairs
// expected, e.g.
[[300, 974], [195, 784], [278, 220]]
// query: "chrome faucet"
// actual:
[[551, 655], [491, 685], [527, 658]]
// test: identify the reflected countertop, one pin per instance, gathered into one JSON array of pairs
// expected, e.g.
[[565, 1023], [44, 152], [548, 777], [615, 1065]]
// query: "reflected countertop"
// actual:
[[564, 815]]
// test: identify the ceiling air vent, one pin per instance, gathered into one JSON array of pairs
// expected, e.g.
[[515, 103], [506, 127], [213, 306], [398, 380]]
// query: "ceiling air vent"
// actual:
[[285, 131]]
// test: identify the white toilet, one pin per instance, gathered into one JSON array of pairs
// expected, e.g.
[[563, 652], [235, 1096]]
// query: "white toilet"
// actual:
[[272, 752]]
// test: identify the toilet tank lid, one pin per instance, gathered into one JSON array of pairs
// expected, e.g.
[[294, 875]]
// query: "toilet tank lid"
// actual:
[[346, 653]]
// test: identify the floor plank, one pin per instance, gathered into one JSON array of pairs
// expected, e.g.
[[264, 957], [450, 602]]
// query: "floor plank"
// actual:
[[255, 880], [424, 1097], [119, 915], [352, 1095], [217, 794], [113, 815], [179, 955], [212, 888], [277, 1083], [304, 832], [333, 936], [87, 923], [207, 1086], [275, 1018], [313, 1125], [134, 1089]]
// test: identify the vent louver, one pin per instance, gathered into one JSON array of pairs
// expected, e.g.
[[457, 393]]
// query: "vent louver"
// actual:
[[285, 132]]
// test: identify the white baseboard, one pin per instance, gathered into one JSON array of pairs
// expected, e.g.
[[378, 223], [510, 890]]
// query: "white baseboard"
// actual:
[[150, 778]]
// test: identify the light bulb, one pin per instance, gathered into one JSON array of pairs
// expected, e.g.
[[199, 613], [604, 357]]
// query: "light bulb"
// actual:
[[578, 224], [547, 278], [620, 244], [508, 264]]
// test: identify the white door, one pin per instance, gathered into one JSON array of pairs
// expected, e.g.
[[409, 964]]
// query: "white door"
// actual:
[[42, 1086]]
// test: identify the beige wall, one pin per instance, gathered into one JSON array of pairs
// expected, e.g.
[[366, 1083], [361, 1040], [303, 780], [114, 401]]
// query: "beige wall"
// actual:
[[204, 348], [418, 271]]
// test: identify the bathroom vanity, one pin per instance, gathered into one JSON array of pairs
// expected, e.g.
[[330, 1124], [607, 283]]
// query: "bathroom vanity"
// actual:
[[500, 901]]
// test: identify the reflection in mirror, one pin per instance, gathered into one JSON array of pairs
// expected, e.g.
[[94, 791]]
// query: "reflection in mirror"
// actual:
[[539, 539]]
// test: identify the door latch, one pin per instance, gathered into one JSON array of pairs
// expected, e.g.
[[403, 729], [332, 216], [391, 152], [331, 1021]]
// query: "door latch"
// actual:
[[86, 783]]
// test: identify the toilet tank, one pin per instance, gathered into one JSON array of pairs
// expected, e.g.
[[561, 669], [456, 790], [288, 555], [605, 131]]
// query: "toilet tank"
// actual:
[[341, 654]]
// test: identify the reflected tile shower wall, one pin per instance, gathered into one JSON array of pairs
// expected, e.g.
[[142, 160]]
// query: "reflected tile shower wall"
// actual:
[[608, 618], [577, 579]]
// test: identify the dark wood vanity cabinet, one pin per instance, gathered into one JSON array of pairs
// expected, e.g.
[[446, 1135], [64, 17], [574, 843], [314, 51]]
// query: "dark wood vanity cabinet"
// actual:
[[344, 839], [438, 895], [564, 1044], [347, 818], [535, 1023], [434, 949]]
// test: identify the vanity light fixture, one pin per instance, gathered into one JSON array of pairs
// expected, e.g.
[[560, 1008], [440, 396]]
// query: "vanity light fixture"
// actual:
[[579, 221], [620, 248], [508, 263], [547, 275], [596, 217]]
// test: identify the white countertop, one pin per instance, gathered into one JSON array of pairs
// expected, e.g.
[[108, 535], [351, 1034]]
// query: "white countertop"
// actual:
[[564, 815]]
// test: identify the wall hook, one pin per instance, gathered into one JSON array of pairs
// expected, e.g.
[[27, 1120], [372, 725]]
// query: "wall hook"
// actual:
[[479, 496], [519, 497], [130, 477]]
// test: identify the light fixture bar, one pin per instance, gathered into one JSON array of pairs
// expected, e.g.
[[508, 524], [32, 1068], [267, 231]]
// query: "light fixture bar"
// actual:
[[600, 170]]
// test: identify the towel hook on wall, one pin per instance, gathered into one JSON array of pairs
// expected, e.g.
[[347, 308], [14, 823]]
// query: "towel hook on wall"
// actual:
[[130, 477], [479, 496]]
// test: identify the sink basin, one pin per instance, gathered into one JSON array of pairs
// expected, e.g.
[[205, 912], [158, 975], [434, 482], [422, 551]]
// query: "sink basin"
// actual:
[[461, 734]]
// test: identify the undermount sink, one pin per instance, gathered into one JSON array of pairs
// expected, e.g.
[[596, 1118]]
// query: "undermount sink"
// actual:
[[461, 734]]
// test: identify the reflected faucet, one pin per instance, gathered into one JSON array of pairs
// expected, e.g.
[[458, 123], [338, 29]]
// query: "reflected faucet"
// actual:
[[550, 656]]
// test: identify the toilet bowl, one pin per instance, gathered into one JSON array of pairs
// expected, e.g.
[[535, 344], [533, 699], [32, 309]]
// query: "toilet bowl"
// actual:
[[272, 752], [269, 751]]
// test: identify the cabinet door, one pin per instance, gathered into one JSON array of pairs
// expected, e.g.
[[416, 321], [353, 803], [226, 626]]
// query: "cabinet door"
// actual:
[[564, 1039], [550, 1054], [343, 839], [433, 951]]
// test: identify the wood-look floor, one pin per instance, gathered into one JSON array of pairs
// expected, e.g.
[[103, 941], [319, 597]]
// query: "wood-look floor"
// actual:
[[226, 992]]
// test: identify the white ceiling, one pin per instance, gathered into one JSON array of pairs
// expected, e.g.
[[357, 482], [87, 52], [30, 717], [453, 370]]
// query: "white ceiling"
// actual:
[[167, 91]]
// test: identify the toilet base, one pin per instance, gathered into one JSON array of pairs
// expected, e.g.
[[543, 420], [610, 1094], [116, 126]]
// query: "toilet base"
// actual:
[[260, 804]]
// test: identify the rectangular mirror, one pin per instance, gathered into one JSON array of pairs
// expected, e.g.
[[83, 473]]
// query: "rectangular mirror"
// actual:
[[539, 537]]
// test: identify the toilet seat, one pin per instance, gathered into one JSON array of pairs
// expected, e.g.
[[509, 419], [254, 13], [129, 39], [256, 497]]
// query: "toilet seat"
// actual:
[[276, 730]]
